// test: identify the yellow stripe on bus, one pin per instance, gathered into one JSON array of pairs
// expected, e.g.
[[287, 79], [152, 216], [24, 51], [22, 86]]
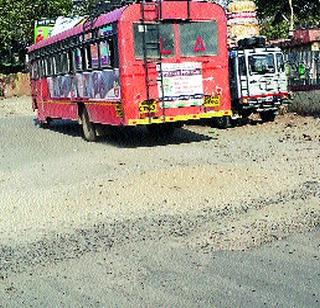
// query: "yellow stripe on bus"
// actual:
[[180, 118]]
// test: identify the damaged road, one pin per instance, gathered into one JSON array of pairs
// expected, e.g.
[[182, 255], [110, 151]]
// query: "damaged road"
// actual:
[[155, 216]]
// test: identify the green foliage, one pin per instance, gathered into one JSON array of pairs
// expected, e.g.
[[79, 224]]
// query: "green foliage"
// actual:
[[93, 7], [274, 15], [17, 23], [275, 30], [84, 7]]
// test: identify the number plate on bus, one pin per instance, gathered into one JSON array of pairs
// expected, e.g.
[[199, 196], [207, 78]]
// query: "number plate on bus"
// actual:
[[146, 107], [212, 101]]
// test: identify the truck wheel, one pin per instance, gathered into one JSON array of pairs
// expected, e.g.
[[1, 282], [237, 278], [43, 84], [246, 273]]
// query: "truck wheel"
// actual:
[[267, 116], [246, 114], [89, 132], [223, 122]]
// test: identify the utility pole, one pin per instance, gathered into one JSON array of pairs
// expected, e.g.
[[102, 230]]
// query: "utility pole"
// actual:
[[291, 27]]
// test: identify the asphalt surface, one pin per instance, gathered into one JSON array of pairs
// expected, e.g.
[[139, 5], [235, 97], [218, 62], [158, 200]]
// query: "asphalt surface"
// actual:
[[285, 273], [206, 218]]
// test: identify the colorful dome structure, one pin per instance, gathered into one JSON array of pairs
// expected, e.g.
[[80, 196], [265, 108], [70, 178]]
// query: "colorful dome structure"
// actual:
[[242, 21]]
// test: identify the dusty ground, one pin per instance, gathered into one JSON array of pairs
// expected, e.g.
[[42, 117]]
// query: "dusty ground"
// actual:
[[204, 190], [166, 274]]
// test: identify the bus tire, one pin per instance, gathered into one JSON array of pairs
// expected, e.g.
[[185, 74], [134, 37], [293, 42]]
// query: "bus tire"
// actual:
[[267, 116], [88, 129], [43, 124], [246, 114], [223, 122]]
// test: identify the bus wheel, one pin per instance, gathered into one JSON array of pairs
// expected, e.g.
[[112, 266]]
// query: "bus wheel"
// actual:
[[42, 124], [267, 116], [223, 122], [89, 132], [165, 130], [246, 114]]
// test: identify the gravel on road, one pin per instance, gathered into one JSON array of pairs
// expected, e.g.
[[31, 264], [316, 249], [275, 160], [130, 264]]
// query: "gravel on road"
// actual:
[[62, 198]]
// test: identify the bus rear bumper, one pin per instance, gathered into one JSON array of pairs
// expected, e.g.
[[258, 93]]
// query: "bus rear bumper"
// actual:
[[179, 118]]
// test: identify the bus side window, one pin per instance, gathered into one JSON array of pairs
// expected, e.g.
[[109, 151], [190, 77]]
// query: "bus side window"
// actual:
[[65, 63], [94, 55], [49, 67], [242, 67], [104, 54], [34, 70], [58, 64], [71, 62], [87, 58], [77, 59], [54, 65], [84, 62], [113, 48], [38, 73], [42, 69]]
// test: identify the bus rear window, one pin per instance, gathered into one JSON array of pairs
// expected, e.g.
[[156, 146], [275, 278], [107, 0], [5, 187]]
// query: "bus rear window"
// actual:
[[150, 31], [198, 39]]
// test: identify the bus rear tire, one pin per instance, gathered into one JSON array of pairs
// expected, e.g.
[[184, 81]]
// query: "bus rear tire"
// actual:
[[45, 124], [89, 132], [223, 122], [267, 116]]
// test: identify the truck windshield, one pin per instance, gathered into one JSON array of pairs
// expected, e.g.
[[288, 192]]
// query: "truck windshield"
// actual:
[[261, 64]]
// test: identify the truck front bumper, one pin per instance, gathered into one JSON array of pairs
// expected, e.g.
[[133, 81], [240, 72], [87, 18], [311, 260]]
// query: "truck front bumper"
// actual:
[[264, 104]]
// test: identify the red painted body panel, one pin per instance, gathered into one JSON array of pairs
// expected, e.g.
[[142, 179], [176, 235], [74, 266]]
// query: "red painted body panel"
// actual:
[[60, 110], [103, 113], [52, 108]]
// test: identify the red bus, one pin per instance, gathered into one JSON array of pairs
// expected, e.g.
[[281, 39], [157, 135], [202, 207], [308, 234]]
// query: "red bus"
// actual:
[[151, 63]]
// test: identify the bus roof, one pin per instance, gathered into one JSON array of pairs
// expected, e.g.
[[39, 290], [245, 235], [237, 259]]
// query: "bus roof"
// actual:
[[102, 20]]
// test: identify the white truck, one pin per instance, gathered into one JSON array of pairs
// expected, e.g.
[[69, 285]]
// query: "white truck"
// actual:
[[258, 81]]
